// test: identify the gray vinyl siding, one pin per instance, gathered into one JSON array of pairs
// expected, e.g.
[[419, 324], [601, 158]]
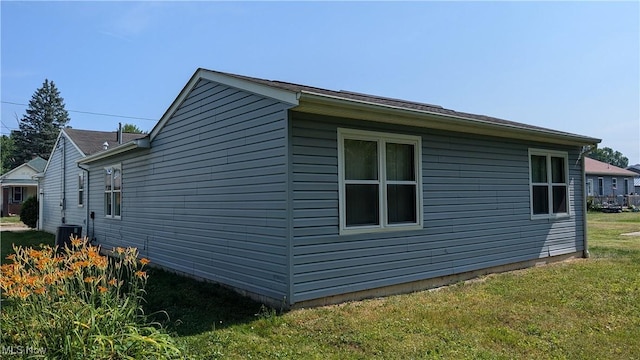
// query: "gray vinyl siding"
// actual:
[[475, 203], [53, 192], [209, 198]]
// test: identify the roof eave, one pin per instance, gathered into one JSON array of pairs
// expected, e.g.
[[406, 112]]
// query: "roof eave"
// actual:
[[334, 106], [602, 173], [141, 143]]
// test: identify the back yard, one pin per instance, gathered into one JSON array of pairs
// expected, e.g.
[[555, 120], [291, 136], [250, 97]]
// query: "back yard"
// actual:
[[585, 308]]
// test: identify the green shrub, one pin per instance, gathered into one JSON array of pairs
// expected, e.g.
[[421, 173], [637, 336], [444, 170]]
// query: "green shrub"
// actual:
[[79, 305], [29, 212]]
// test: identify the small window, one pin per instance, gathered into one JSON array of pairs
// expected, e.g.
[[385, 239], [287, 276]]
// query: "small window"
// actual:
[[113, 192], [17, 195], [626, 187], [549, 184], [590, 187], [81, 189], [614, 184], [380, 182]]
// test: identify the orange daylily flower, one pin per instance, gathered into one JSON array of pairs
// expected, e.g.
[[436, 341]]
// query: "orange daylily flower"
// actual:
[[39, 291]]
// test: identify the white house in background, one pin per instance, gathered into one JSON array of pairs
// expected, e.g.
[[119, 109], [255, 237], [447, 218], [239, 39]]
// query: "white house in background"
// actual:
[[18, 185], [62, 183]]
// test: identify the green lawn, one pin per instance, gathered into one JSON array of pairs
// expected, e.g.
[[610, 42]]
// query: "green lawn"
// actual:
[[23, 238], [10, 220], [586, 308]]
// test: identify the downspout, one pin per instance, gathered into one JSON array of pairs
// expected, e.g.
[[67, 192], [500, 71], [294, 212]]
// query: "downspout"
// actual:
[[86, 202], [63, 191], [585, 252], [41, 204]]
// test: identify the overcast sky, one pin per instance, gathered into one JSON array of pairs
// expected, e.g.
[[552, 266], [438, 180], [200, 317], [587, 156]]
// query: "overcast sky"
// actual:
[[570, 66]]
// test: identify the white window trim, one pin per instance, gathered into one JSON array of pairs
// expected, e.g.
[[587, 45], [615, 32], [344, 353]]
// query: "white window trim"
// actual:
[[13, 195], [549, 183], [381, 138], [614, 184], [590, 187], [112, 191], [81, 191]]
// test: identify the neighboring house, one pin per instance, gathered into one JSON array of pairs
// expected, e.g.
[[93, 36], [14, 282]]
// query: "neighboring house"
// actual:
[[607, 182], [18, 185], [63, 183], [300, 196]]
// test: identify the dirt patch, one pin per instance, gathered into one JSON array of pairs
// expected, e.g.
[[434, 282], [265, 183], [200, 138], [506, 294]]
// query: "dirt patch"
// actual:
[[637, 233]]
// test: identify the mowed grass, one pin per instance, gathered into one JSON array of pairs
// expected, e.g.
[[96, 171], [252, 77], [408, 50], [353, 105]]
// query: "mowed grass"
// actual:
[[584, 308], [10, 220], [30, 238]]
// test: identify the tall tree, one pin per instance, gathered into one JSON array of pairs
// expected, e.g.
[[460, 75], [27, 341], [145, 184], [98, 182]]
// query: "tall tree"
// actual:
[[131, 129], [6, 153], [40, 126], [609, 156]]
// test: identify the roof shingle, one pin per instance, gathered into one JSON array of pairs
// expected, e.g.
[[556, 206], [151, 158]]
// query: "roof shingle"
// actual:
[[379, 100], [91, 142], [595, 167]]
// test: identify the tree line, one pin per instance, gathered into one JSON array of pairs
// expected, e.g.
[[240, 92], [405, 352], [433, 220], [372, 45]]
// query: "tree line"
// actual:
[[38, 128]]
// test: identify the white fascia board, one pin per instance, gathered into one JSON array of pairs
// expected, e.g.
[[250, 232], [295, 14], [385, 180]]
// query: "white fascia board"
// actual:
[[336, 106], [21, 184], [55, 146], [73, 143], [285, 96], [6, 175]]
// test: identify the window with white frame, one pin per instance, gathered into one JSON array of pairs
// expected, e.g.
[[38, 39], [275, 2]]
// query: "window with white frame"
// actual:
[[590, 187], [113, 191], [17, 194], [549, 183], [380, 181], [614, 184], [81, 189]]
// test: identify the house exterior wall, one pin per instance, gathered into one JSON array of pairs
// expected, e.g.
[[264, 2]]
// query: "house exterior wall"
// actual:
[[608, 189], [476, 208], [209, 198], [60, 189]]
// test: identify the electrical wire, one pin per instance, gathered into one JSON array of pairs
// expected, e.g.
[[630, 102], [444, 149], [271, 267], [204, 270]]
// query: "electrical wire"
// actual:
[[89, 113]]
